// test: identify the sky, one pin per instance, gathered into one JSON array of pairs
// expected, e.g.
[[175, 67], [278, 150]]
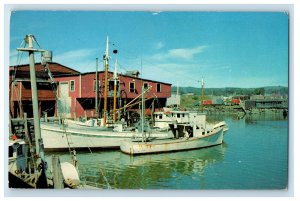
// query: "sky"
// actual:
[[226, 49]]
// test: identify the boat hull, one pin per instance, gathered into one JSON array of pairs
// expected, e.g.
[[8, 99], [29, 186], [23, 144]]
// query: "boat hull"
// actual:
[[214, 138], [56, 138]]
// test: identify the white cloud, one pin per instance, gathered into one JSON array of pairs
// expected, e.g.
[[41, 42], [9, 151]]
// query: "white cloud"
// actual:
[[82, 60], [76, 54], [180, 53], [185, 53]]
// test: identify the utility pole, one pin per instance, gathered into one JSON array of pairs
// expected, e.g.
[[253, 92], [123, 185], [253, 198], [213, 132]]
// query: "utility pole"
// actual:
[[105, 83], [39, 147], [37, 128]]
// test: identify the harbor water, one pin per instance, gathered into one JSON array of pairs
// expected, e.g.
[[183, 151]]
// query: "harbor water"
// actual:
[[254, 155]]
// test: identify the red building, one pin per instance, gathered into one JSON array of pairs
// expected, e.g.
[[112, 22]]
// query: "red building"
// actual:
[[20, 88], [76, 91], [207, 102]]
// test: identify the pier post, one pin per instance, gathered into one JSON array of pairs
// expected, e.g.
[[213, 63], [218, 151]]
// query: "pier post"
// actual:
[[58, 180]]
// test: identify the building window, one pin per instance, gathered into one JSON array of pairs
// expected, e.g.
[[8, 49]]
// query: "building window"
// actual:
[[146, 85], [95, 85], [178, 115], [72, 85], [131, 87], [158, 87]]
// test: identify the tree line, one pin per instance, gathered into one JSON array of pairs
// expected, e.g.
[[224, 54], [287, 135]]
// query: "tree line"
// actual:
[[230, 91]]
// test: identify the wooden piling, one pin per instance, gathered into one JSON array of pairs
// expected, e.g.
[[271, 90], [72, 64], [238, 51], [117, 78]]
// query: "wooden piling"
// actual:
[[57, 175]]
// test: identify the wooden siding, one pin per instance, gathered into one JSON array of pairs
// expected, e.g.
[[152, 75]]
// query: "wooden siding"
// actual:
[[22, 91]]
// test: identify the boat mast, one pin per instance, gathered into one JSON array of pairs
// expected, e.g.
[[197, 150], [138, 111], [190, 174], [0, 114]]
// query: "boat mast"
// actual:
[[105, 83], [115, 93], [97, 89]]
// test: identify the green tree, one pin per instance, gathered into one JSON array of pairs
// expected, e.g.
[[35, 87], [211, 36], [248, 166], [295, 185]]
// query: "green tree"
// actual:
[[259, 91]]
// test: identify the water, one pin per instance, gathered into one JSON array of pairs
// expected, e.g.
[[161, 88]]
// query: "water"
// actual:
[[253, 156]]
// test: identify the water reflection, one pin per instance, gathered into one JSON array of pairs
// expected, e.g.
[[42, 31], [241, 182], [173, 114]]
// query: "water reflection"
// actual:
[[120, 171]]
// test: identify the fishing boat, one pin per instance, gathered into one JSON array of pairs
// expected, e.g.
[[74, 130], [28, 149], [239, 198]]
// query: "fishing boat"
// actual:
[[189, 130], [186, 137], [58, 137]]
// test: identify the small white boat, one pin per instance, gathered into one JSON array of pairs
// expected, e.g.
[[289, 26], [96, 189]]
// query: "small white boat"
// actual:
[[186, 137]]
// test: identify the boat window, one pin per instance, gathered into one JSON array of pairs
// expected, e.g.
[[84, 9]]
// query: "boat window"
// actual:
[[203, 133], [178, 115]]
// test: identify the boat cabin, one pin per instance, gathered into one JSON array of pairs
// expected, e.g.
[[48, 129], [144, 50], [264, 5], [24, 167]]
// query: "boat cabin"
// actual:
[[163, 119]]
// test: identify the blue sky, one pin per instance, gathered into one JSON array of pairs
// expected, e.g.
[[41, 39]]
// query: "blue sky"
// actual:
[[227, 49]]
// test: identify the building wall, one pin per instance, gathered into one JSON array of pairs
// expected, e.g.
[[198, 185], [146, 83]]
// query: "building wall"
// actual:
[[83, 98], [71, 102], [80, 101]]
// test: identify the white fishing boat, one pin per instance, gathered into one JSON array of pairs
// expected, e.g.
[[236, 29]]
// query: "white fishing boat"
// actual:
[[56, 137], [186, 137]]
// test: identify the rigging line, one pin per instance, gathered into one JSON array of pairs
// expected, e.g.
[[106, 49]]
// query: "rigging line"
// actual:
[[19, 57], [34, 38]]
